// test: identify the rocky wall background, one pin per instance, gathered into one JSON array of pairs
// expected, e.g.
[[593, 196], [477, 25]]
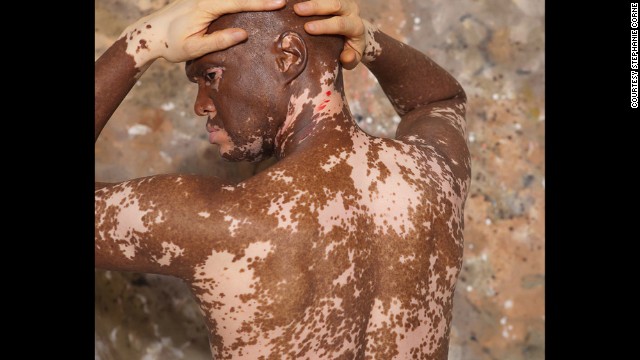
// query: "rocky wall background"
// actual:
[[495, 48]]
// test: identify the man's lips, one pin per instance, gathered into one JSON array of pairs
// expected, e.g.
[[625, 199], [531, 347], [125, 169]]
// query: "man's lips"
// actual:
[[211, 127], [212, 130]]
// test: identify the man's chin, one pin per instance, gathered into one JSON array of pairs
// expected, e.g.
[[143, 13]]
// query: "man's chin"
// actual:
[[237, 156], [230, 155]]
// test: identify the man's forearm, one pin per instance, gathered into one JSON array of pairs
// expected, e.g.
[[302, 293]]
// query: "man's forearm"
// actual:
[[408, 77], [115, 75]]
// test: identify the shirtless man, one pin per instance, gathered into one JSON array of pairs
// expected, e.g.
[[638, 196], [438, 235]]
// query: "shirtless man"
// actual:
[[348, 247]]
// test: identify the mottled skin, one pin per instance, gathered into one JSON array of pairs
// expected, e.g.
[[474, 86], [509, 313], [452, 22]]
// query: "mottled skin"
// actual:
[[348, 247]]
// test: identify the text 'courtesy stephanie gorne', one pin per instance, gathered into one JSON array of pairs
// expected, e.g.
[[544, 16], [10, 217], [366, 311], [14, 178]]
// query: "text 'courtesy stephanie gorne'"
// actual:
[[634, 55]]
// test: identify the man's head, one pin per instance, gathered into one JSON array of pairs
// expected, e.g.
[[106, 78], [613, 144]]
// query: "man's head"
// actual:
[[245, 89]]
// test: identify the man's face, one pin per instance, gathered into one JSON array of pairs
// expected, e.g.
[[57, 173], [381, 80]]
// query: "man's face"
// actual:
[[240, 91]]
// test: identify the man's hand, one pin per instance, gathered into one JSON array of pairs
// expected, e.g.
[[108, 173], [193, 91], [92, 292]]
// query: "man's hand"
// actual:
[[347, 22], [177, 31]]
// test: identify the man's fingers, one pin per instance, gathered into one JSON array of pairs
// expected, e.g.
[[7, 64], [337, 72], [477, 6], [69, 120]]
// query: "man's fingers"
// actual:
[[327, 7], [349, 59], [234, 6], [200, 45], [337, 25]]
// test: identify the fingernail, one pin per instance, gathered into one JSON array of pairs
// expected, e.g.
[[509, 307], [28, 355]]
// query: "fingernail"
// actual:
[[301, 7], [237, 35], [277, 2], [311, 26]]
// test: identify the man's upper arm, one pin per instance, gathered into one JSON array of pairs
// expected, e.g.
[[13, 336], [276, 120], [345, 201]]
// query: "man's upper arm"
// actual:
[[441, 125], [150, 224]]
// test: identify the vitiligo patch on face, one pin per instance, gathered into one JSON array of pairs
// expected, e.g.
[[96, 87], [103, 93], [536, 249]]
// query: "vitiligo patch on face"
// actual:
[[217, 72], [252, 149], [225, 142]]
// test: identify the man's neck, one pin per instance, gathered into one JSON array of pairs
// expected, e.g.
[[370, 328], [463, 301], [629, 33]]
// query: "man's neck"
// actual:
[[317, 112]]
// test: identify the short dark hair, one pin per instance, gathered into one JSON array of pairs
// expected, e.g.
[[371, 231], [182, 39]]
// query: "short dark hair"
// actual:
[[267, 25]]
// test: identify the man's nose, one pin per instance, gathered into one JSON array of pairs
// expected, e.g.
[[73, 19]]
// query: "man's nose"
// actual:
[[204, 104]]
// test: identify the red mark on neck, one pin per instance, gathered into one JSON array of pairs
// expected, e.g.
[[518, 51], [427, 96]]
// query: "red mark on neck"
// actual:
[[324, 104], [328, 93]]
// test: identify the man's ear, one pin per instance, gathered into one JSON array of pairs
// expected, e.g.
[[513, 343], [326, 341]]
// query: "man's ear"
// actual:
[[292, 55]]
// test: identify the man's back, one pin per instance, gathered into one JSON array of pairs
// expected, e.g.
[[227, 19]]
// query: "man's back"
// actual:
[[360, 265]]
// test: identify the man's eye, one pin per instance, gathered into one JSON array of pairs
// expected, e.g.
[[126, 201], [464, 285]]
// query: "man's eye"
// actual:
[[211, 75]]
